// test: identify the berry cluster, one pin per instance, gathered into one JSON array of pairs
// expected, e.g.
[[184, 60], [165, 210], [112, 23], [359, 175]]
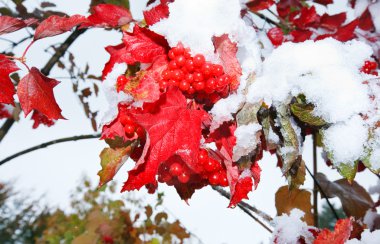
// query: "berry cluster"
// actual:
[[213, 172], [194, 76], [370, 67], [131, 129]]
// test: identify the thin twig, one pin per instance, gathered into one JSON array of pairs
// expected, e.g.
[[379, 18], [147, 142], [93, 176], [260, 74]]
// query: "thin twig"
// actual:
[[49, 143], [315, 187], [262, 16], [247, 208], [323, 194]]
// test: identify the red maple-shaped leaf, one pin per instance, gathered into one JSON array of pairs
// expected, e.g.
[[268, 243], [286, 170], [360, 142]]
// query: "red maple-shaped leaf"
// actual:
[[332, 22], [35, 91], [7, 89], [40, 118], [156, 13], [347, 32], [174, 129], [257, 5], [55, 25], [118, 54], [340, 235], [227, 52], [366, 22], [108, 15], [144, 45], [307, 18], [9, 24]]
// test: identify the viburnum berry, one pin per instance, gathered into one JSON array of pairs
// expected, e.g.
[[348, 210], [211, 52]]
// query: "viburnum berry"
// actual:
[[129, 130], [203, 157], [175, 169], [223, 181], [199, 60], [184, 85], [214, 178], [184, 177], [121, 82]]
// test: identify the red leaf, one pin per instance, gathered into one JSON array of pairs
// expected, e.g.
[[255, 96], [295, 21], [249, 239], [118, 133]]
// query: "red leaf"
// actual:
[[257, 5], [287, 7], [35, 91], [39, 118], [346, 33], [324, 2], [172, 130], [224, 137], [144, 45], [5, 112], [307, 17], [366, 22], [9, 24], [7, 89], [332, 22], [340, 235], [156, 13], [241, 190], [107, 15], [256, 173], [301, 35], [276, 36], [55, 25], [227, 52], [118, 54]]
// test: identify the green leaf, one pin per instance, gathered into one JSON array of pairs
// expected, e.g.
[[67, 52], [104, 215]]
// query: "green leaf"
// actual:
[[304, 112], [348, 171], [296, 174], [111, 161]]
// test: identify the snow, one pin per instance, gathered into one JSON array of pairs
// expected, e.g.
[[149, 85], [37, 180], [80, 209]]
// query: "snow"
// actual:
[[289, 228], [360, 7], [247, 139], [318, 70], [224, 109], [374, 189], [345, 140], [112, 96], [367, 237], [370, 217]]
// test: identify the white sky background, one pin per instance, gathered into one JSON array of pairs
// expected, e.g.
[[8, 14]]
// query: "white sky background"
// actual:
[[57, 170]]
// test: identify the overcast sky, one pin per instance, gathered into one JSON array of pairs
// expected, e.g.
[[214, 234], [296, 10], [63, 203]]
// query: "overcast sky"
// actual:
[[56, 171]]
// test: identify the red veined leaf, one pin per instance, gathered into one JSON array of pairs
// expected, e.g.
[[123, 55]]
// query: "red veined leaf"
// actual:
[[340, 235], [9, 24], [346, 33], [174, 129], [7, 89], [156, 13], [144, 45], [40, 118], [257, 5], [227, 52], [333, 22], [55, 25], [35, 91], [107, 15]]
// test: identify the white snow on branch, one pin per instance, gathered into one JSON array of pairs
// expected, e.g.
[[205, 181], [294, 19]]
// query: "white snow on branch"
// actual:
[[247, 139]]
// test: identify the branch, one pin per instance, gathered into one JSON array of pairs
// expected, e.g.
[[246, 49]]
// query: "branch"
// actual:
[[315, 188], [60, 51], [247, 208], [49, 143], [323, 194]]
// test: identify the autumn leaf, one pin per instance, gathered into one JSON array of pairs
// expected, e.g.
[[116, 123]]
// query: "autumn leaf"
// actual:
[[258, 5], [307, 17], [156, 13], [144, 45], [56, 25], [355, 199], [9, 24], [304, 112], [111, 162], [366, 22], [346, 32], [340, 235], [227, 50], [332, 22], [286, 200], [118, 54], [174, 129], [224, 137], [7, 89], [35, 91], [107, 15], [324, 2]]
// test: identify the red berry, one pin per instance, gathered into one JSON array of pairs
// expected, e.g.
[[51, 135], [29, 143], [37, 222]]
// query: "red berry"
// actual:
[[367, 64], [173, 65], [125, 119], [223, 181], [175, 169], [210, 85], [198, 76], [163, 85], [373, 65], [217, 70], [203, 156], [189, 64], [166, 74], [129, 130], [173, 83], [178, 50], [177, 75], [211, 165], [199, 85], [375, 73], [189, 78], [199, 60], [184, 177], [121, 82], [181, 60], [184, 85], [276, 36], [207, 69], [171, 54], [214, 178], [140, 132], [191, 90]]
